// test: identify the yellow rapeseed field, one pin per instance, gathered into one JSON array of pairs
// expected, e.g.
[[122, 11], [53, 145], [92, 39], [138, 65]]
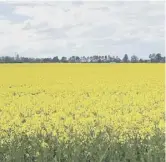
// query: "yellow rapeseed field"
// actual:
[[82, 112]]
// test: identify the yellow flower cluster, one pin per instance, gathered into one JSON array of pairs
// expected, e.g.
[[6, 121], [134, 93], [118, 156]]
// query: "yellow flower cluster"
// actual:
[[83, 100]]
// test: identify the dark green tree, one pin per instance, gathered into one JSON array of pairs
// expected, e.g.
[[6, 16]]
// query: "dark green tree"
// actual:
[[125, 58], [55, 59], [134, 58]]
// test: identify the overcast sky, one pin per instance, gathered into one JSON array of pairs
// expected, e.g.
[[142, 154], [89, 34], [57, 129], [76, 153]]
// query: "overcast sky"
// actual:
[[82, 28]]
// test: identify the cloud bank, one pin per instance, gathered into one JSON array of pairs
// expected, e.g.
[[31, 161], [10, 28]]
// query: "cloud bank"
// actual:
[[82, 28]]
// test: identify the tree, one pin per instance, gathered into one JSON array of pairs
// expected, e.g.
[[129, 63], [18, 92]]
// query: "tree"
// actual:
[[152, 57], [102, 57], [72, 59], [163, 59], [64, 59], [78, 59], [117, 59], [55, 59], [113, 59], [141, 60], [134, 58], [83, 59], [47, 60], [158, 57], [125, 58], [91, 59], [17, 57], [109, 58], [8, 59], [96, 58], [106, 58]]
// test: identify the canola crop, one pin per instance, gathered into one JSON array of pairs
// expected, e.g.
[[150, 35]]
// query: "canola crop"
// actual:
[[82, 112]]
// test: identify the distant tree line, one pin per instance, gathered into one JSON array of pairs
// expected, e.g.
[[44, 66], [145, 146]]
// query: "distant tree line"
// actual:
[[153, 58]]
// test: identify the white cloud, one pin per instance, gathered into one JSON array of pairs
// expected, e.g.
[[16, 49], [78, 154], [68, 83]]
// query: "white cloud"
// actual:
[[83, 28]]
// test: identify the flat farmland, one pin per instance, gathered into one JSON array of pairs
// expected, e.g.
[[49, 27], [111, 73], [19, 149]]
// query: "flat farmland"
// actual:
[[82, 112]]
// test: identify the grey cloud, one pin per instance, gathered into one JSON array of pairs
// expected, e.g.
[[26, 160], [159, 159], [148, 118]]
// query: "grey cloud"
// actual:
[[7, 13], [53, 33], [77, 3], [116, 27]]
